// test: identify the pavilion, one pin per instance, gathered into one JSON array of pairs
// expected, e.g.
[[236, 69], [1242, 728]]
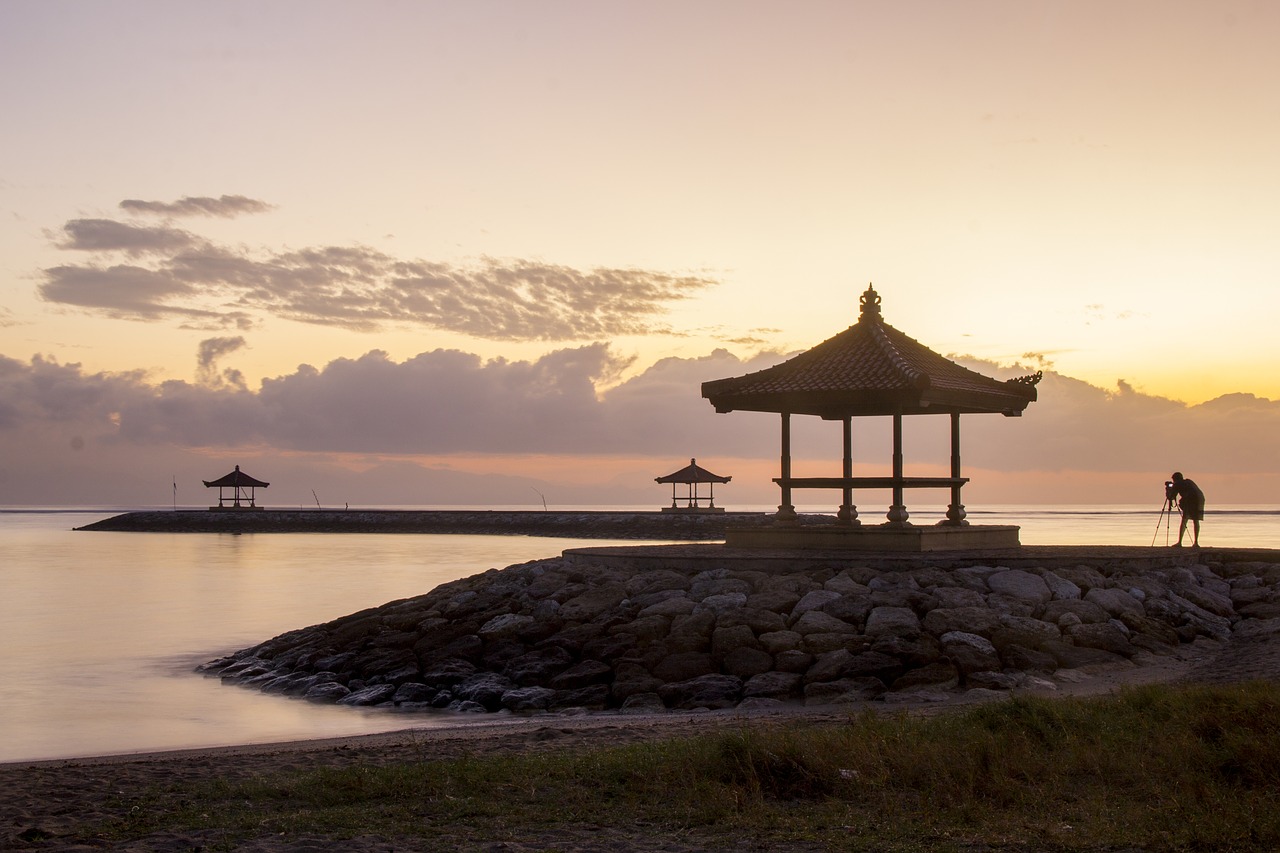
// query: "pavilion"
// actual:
[[872, 369], [241, 488], [692, 476]]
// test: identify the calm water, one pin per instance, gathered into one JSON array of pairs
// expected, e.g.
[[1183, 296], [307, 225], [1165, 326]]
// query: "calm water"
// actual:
[[99, 632]]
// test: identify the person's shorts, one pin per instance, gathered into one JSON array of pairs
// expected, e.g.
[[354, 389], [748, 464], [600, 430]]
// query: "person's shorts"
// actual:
[[1192, 512]]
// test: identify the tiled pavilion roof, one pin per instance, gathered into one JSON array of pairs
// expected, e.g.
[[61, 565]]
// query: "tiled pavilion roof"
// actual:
[[871, 368], [692, 473], [236, 479]]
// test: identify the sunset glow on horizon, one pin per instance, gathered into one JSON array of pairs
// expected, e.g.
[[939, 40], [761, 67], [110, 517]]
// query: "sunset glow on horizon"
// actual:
[[468, 253]]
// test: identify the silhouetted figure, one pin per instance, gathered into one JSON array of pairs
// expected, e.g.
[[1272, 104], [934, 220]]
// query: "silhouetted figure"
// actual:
[[1190, 503]]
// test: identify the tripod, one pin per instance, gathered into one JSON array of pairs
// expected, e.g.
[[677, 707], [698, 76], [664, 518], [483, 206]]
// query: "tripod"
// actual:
[[1166, 515]]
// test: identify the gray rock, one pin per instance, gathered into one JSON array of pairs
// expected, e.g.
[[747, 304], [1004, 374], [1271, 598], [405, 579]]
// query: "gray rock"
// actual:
[[643, 703], [899, 621], [646, 628], [1114, 601], [705, 691], [1215, 603], [330, 691], [970, 652], [973, 620], [725, 640], [655, 581], [684, 666], [1020, 586], [1105, 636], [582, 674], [816, 622], [951, 597], [775, 642], [745, 662], [792, 661], [849, 608], [466, 706], [820, 644], [843, 691], [991, 680], [759, 621], [1060, 586], [775, 685], [592, 603], [369, 695], [676, 605], [722, 602], [504, 626], [1023, 631], [413, 692], [774, 599], [528, 698], [911, 651], [449, 672], [815, 600], [1084, 611], [593, 697], [942, 674]]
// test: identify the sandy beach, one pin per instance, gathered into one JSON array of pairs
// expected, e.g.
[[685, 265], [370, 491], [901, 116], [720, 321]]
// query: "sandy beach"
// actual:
[[52, 805]]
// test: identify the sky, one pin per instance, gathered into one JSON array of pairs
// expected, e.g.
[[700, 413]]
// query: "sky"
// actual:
[[485, 253]]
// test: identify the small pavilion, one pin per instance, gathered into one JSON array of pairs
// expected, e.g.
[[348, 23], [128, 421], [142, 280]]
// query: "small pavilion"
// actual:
[[691, 477], [873, 370], [235, 491]]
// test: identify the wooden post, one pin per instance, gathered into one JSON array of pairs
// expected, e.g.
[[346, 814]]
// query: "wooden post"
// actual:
[[955, 512], [848, 513], [786, 511], [898, 511]]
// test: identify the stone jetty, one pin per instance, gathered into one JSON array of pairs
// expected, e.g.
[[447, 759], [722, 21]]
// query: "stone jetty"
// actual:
[[593, 524], [703, 626]]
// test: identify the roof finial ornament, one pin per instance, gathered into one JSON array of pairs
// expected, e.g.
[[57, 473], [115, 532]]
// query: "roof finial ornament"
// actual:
[[870, 302]]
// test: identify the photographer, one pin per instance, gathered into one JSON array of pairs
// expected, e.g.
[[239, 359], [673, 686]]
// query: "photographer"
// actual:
[[1190, 502]]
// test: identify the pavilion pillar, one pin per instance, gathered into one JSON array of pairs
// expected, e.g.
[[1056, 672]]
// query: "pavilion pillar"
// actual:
[[848, 513], [898, 511], [955, 512], [786, 510]]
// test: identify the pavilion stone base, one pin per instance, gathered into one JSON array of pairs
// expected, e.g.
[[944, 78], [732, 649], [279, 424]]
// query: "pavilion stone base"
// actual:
[[875, 538], [693, 510]]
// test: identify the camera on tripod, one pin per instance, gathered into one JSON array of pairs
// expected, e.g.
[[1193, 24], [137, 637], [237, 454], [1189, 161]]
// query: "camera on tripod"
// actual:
[[1170, 492]]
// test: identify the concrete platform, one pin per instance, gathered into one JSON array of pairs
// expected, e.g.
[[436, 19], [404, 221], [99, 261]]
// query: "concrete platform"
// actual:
[[879, 538]]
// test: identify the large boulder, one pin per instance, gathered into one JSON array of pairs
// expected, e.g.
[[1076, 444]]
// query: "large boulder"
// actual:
[[1020, 586], [705, 691]]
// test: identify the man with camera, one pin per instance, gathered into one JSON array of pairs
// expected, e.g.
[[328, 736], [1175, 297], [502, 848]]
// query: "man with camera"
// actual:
[[1190, 502]]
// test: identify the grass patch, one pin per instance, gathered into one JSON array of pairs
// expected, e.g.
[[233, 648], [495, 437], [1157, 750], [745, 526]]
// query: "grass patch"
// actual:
[[1156, 768]]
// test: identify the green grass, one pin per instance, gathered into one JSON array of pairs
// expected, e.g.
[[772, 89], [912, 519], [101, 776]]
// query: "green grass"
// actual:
[[1158, 768]]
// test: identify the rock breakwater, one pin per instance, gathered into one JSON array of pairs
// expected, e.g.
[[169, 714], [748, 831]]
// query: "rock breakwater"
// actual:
[[564, 633]]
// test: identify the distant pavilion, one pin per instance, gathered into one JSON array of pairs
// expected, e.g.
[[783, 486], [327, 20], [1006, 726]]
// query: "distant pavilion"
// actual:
[[236, 491], [872, 369], [691, 477]]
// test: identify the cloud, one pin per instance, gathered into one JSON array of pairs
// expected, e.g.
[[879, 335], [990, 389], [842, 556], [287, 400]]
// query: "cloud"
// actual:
[[106, 235], [448, 404], [210, 351], [227, 206], [195, 281]]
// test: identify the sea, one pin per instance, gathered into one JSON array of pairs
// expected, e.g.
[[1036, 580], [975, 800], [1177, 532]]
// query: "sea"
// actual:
[[100, 633]]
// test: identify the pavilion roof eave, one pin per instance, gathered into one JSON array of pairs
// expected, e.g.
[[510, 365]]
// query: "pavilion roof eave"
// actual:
[[236, 478], [838, 405], [692, 473]]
